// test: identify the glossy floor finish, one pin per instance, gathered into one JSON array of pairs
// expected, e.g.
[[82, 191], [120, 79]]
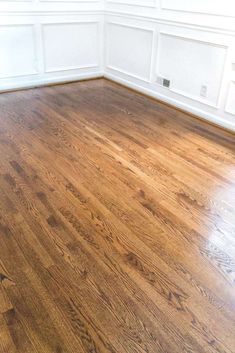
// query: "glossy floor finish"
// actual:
[[117, 225]]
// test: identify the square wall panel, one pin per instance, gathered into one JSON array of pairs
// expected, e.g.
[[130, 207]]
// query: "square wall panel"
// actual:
[[129, 50], [70, 46], [17, 51]]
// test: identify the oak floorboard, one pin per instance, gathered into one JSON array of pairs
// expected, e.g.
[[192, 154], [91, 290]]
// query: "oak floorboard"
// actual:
[[117, 224]]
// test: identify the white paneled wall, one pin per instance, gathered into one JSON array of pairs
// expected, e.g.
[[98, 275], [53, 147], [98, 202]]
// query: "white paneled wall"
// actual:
[[190, 63], [18, 51], [187, 45], [71, 45], [191, 44], [120, 38], [46, 41]]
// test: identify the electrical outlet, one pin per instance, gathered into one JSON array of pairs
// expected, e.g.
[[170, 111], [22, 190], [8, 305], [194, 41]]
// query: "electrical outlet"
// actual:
[[160, 80], [203, 91]]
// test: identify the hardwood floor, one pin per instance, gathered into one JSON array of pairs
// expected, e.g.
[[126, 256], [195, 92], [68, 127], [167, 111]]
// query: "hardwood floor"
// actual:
[[117, 225]]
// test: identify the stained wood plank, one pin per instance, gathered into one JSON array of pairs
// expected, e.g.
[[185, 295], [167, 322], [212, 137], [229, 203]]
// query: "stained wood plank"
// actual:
[[117, 229]]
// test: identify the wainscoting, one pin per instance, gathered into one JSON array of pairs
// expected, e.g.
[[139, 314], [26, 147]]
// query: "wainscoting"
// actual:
[[192, 47], [50, 41], [134, 42]]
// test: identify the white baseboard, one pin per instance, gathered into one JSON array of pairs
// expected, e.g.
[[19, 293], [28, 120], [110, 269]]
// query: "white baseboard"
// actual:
[[52, 80], [99, 74], [216, 120]]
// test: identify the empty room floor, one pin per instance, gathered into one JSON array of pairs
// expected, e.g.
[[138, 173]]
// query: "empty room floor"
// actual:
[[117, 229]]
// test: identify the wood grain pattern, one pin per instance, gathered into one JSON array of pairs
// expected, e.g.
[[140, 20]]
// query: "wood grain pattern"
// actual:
[[117, 225]]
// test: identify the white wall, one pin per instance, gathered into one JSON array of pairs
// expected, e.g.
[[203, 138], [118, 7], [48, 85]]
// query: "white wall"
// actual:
[[191, 43], [136, 42], [43, 41]]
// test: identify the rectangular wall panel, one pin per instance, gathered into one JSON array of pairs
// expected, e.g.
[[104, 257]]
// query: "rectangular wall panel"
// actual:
[[191, 65], [17, 51], [129, 50], [70, 46]]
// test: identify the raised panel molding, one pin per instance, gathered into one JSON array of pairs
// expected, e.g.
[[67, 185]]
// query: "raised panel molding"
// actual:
[[18, 50], [77, 43], [132, 59], [186, 63]]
